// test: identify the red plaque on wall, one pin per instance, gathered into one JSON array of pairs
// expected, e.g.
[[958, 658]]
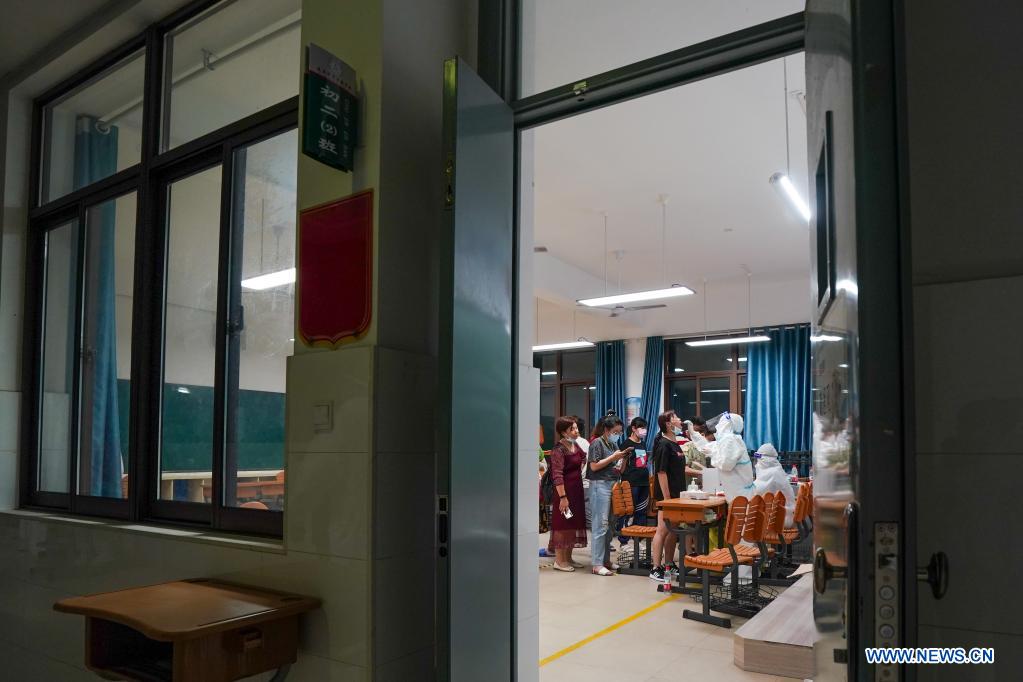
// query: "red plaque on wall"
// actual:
[[335, 270]]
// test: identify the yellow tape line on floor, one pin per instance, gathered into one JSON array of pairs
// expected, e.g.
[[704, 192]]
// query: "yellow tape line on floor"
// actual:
[[609, 629]]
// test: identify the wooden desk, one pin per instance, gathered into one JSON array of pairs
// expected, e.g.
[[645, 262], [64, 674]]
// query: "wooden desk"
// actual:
[[201, 630], [685, 510]]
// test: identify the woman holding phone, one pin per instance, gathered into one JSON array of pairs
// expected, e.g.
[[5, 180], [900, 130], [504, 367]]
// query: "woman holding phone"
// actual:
[[568, 522], [605, 465]]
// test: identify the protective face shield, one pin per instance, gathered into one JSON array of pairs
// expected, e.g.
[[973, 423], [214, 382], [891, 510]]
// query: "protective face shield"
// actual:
[[725, 423], [767, 459]]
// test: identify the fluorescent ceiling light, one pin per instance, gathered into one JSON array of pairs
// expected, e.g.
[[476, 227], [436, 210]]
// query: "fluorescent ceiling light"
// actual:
[[716, 390], [740, 359], [727, 341], [678, 369], [824, 337], [652, 295], [844, 366], [270, 280], [593, 388], [183, 389], [562, 346], [783, 182], [549, 374]]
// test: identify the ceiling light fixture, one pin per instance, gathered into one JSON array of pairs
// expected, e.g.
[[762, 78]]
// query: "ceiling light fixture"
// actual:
[[782, 181], [270, 280], [665, 291], [825, 337], [728, 340], [784, 184], [652, 295], [549, 374], [581, 343]]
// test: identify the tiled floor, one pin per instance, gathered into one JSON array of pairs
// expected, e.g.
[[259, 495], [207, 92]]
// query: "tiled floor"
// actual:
[[660, 645]]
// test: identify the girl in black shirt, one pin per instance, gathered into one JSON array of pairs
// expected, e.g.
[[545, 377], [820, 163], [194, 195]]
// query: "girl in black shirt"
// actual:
[[669, 477]]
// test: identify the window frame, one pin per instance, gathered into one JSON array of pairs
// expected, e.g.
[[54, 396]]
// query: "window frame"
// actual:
[[149, 179], [734, 375], [559, 385]]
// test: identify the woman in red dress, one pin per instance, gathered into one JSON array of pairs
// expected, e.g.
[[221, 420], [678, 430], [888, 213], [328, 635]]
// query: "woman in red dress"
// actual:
[[566, 462]]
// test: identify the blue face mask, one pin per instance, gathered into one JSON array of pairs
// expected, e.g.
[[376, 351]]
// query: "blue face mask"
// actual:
[[615, 438], [678, 431]]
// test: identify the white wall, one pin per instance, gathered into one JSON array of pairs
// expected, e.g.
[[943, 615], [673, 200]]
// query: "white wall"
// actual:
[[635, 356]]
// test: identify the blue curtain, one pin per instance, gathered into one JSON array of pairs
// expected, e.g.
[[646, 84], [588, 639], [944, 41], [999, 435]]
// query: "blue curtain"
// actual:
[[610, 379], [778, 393], [653, 382], [95, 159]]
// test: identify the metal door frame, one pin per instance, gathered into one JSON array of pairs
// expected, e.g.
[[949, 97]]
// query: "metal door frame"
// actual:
[[498, 59]]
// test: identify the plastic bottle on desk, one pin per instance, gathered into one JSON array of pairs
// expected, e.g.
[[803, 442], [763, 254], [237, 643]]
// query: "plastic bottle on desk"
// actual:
[[811, 472], [794, 475]]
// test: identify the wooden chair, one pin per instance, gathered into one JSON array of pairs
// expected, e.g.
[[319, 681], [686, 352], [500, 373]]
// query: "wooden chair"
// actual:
[[622, 505], [721, 560], [760, 508]]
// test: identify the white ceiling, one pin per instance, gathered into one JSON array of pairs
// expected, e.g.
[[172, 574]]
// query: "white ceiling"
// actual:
[[711, 147], [28, 25], [564, 41]]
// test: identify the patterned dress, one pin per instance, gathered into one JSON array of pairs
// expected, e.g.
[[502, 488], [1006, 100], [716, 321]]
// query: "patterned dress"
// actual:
[[566, 469]]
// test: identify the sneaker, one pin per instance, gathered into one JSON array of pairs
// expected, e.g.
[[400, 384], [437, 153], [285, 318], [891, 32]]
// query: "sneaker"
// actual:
[[657, 573]]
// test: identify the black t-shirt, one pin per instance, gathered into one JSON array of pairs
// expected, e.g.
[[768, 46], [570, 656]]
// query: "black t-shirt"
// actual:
[[668, 458], [636, 472]]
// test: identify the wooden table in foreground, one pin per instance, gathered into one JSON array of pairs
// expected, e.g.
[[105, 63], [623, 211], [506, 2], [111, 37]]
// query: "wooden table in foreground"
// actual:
[[195, 630]]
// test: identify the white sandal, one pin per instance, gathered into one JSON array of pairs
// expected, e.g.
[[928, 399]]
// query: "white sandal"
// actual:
[[566, 569], [601, 570]]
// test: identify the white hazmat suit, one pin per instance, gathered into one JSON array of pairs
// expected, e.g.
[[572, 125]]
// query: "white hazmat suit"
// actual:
[[771, 478], [728, 454]]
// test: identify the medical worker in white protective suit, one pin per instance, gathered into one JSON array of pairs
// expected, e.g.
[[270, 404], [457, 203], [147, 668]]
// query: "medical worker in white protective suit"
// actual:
[[771, 478], [729, 455]]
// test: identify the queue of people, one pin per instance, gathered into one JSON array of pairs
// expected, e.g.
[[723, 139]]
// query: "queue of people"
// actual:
[[584, 473]]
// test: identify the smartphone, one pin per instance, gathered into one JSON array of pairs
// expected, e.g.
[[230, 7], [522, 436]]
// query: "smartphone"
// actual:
[[567, 513]]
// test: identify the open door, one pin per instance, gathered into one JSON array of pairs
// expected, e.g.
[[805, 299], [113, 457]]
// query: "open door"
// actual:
[[864, 590], [474, 450]]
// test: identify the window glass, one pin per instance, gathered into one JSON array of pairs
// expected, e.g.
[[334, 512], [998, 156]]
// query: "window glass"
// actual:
[[683, 359], [715, 396], [94, 131], [106, 347], [580, 365], [58, 357], [262, 304], [548, 365], [564, 41], [682, 397], [232, 61], [190, 314], [577, 403], [548, 406], [742, 394]]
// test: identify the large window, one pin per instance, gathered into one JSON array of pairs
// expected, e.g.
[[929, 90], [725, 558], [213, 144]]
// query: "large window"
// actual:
[[567, 386], [704, 381], [155, 342]]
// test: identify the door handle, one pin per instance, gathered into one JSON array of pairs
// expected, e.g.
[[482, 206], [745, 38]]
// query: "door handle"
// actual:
[[935, 573], [824, 571]]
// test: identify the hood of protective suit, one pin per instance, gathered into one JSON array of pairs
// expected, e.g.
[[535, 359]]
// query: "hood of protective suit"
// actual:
[[727, 423], [729, 454], [771, 478]]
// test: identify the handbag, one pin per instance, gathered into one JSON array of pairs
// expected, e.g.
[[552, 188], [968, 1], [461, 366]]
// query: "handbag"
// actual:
[[547, 488]]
